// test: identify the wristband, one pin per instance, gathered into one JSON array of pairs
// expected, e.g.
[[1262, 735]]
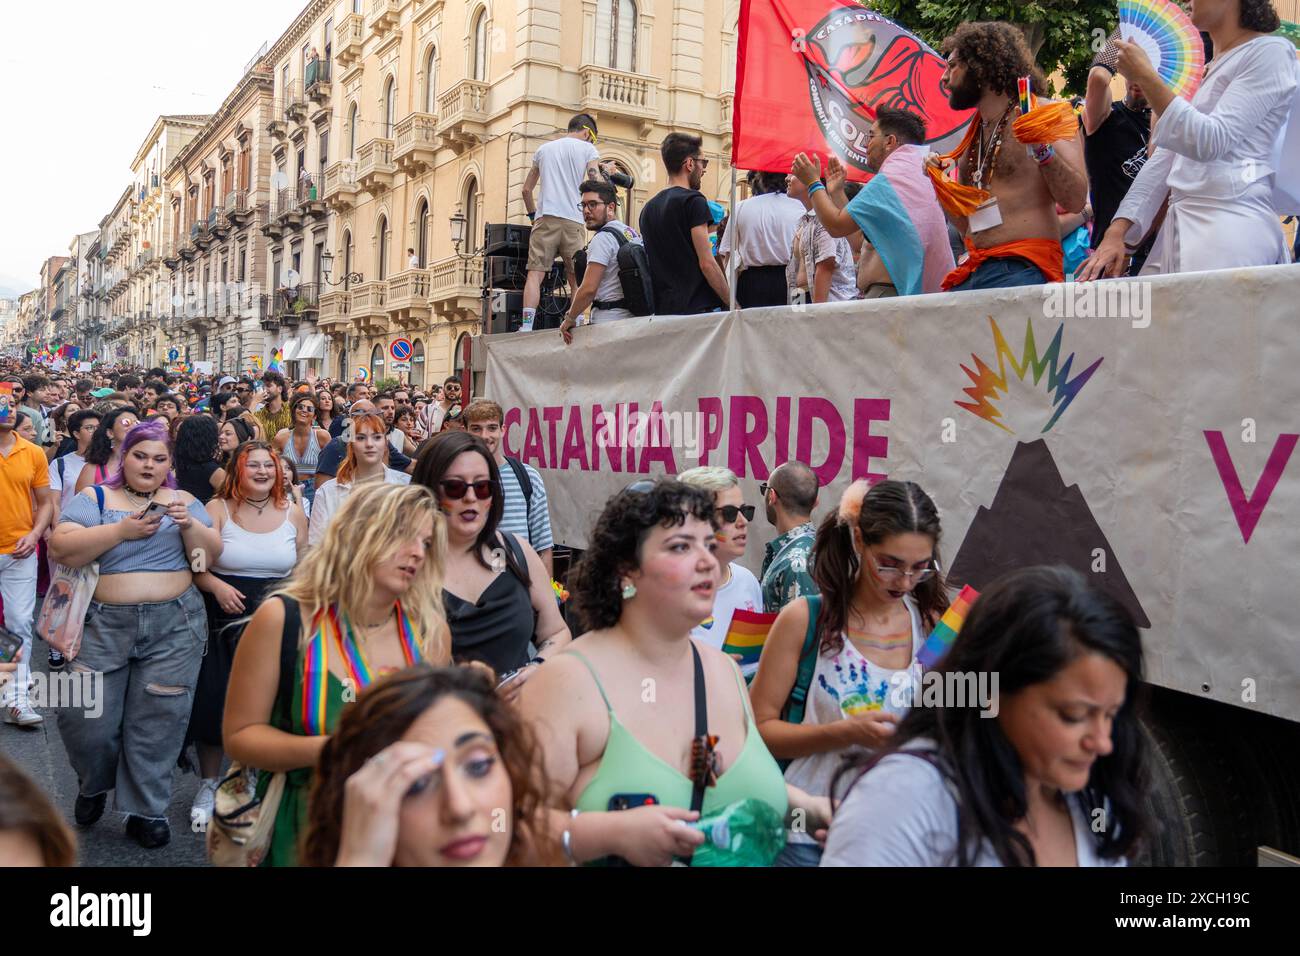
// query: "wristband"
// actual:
[[538, 660], [1042, 153], [812, 190], [532, 217]]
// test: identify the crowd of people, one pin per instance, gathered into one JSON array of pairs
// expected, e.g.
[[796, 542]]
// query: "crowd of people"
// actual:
[[343, 609]]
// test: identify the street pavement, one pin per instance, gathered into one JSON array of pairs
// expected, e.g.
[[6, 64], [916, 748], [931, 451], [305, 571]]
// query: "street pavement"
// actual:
[[40, 753]]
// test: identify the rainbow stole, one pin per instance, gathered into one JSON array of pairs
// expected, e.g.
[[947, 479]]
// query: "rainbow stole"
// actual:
[[945, 632], [747, 635], [330, 629]]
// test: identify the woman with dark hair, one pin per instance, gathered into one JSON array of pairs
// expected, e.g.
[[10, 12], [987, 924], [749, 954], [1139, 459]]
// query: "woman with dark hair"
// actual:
[[145, 631], [496, 591], [302, 442], [1055, 775], [327, 409], [367, 460], [617, 711], [224, 405], [232, 433], [103, 457], [876, 564], [197, 469], [31, 831], [418, 772], [403, 432]]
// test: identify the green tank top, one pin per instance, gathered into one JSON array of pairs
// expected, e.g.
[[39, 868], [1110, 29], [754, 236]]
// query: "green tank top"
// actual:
[[628, 767]]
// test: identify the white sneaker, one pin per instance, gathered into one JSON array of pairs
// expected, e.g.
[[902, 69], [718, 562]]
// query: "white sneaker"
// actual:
[[204, 801], [23, 716]]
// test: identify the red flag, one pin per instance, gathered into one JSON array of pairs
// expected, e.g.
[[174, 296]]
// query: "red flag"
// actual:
[[810, 75]]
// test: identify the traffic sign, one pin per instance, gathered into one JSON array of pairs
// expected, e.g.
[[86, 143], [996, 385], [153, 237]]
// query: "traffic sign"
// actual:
[[400, 349], [400, 366], [173, 355]]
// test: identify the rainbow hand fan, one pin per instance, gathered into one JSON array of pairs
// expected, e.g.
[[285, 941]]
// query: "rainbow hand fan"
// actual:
[[945, 632], [1167, 34]]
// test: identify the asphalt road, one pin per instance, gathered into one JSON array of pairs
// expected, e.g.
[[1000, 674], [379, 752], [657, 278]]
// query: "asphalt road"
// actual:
[[39, 751]]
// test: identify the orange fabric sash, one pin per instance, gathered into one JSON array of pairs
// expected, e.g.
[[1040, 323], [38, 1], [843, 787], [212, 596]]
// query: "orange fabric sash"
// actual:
[[1047, 254]]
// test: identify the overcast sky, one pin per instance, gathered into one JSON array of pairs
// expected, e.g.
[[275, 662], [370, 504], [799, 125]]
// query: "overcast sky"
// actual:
[[83, 83]]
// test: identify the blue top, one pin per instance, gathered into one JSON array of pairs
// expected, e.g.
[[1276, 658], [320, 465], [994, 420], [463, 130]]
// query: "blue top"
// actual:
[[163, 551]]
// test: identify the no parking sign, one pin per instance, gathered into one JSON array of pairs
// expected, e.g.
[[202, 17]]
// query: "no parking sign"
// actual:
[[400, 350]]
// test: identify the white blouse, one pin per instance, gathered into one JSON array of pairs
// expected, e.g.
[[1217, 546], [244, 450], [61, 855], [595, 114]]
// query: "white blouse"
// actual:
[[331, 495]]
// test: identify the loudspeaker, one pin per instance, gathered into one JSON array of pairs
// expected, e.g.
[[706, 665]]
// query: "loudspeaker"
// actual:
[[504, 272], [504, 312], [506, 239]]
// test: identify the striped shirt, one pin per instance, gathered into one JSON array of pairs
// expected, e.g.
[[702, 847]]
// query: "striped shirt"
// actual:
[[536, 530]]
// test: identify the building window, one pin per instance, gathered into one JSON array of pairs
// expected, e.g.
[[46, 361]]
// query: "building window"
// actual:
[[347, 260], [352, 132], [431, 81], [417, 364], [390, 107], [616, 35], [381, 249], [471, 214], [421, 233], [376, 364], [478, 59]]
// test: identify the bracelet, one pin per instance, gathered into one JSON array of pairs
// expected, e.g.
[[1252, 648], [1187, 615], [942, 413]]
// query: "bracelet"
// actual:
[[1042, 153], [566, 840], [812, 190]]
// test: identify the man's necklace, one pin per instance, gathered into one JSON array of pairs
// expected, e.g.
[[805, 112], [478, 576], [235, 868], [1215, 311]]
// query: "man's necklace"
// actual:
[[992, 148]]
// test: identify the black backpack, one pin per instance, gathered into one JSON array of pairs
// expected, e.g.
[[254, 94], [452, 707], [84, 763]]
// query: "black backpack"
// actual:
[[633, 275]]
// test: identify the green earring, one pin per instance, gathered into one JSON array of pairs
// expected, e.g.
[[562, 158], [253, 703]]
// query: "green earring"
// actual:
[[629, 591]]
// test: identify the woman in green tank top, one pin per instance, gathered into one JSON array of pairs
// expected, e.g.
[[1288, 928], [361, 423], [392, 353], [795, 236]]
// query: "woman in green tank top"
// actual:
[[615, 712]]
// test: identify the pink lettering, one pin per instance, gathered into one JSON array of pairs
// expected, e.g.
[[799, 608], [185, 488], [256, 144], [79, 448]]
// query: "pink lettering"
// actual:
[[782, 431], [820, 409], [866, 445], [744, 440], [553, 414], [512, 418], [658, 447], [533, 448], [606, 432], [1247, 511], [633, 430], [575, 449], [711, 413]]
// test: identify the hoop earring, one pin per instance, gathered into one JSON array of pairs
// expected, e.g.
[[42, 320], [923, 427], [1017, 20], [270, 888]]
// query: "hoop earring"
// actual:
[[629, 591]]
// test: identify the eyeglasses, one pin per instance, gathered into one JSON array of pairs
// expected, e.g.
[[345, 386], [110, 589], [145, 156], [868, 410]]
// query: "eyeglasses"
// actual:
[[242, 390], [894, 575], [591, 204], [728, 513], [454, 488], [764, 488], [307, 408]]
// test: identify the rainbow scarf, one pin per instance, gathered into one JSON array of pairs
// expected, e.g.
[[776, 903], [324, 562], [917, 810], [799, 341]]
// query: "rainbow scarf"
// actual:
[[945, 632], [336, 632]]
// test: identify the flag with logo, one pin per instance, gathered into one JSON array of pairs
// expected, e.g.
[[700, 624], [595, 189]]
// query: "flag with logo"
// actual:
[[810, 75]]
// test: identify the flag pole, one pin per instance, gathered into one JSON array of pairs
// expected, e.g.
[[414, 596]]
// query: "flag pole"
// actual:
[[735, 247]]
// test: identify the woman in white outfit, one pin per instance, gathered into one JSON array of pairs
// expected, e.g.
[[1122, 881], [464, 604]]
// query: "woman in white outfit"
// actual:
[[367, 460], [1213, 155]]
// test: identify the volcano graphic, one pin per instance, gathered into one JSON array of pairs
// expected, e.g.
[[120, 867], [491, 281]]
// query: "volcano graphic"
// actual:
[[1036, 519]]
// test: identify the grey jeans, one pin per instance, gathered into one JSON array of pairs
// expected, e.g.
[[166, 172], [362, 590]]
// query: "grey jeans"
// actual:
[[149, 655]]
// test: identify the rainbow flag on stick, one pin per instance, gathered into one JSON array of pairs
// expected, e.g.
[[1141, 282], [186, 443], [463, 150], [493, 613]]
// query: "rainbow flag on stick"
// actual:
[[945, 632], [747, 635], [276, 363]]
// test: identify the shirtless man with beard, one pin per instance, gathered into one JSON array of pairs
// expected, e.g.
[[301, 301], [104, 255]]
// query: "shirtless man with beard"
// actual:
[[1014, 239]]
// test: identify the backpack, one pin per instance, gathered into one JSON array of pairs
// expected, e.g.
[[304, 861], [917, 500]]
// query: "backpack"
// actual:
[[633, 274], [525, 485]]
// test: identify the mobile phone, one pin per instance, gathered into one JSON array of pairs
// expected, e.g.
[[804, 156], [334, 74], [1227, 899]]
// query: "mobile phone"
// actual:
[[507, 677], [630, 801], [10, 645], [154, 508]]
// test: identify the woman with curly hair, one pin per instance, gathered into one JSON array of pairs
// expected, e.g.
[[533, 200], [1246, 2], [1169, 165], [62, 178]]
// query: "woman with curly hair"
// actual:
[[197, 468], [617, 710], [103, 457], [1213, 160], [1055, 776], [430, 767], [363, 602]]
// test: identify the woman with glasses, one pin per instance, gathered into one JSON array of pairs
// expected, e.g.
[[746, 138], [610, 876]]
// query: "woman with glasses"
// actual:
[[876, 562], [302, 443], [366, 460], [496, 592], [104, 456], [737, 589]]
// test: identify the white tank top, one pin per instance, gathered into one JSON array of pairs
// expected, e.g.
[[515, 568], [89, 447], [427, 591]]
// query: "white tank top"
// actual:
[[248, 554]]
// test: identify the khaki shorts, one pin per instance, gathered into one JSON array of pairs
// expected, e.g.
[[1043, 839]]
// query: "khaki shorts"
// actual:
[[554, 236]]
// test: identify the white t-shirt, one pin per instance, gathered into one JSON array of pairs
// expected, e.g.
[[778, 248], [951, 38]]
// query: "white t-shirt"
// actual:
[[72, 464], [741, 592], [330, 497], [603, 250], [902, 813], [563, 164], [766, 227]]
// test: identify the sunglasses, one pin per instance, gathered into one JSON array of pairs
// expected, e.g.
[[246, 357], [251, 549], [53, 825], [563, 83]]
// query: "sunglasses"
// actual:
[[728, 513], [453, 489], [242, 390]]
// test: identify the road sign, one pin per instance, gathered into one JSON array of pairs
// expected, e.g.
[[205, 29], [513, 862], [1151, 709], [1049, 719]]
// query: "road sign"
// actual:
[[400, 366], [400, 350], [173, 355]]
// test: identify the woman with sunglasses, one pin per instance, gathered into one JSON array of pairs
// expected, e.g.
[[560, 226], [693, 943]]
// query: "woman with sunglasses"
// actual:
[[876, 564], [497, 594], [366, 460], [104, 456], [302, 443], [737, 589]]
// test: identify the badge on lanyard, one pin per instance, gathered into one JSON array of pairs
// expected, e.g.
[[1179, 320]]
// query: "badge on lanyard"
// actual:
[[986, 216]]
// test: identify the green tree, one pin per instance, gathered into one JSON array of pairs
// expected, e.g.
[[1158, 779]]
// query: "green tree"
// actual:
[[1063, 35]]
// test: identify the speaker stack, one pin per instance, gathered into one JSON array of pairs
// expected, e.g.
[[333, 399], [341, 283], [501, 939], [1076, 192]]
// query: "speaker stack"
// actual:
[[505, 272]]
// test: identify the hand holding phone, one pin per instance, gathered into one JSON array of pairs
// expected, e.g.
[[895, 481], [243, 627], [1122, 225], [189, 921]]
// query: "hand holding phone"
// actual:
[[11, 646]]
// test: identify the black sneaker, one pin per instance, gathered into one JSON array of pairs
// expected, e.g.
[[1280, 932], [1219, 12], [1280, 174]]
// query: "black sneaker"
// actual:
[[150, 834], [88, 810], [57, 660]]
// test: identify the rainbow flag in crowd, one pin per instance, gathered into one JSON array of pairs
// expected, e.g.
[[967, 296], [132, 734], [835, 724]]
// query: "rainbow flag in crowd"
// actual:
[[898, 213], [747, 635], [257, 362], [276, 365], [945, 632]]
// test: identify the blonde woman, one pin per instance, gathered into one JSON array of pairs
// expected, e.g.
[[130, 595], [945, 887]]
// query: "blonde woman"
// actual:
[[364, 602]]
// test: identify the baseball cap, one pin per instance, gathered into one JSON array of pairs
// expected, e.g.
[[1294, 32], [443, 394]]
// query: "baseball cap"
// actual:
[[101, 392], [227, 380]]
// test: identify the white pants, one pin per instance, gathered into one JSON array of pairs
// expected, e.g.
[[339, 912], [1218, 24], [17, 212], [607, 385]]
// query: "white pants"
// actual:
[[18, 588]]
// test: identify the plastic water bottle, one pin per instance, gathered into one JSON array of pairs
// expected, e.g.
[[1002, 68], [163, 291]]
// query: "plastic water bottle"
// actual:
[[745, 833]]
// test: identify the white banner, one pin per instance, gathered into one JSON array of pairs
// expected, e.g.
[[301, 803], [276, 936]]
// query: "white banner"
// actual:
[[1140, 431]]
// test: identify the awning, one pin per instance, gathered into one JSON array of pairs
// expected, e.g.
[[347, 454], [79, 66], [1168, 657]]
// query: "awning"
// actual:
[[313, 347], [291, 350]]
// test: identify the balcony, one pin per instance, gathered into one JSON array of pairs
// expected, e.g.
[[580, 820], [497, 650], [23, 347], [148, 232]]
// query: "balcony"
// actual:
[[613, 91], [456, 288], [278, 128], [415, 142], [408, 298], [341, 184], [274, 228], [375, 165], [317, 81], [201, 234], [462, 113], [335, 313], [369, 305], [294, 305], [237, 210], [382, 16], [348, 36], [295, 102], [218, 224], [287, 208]]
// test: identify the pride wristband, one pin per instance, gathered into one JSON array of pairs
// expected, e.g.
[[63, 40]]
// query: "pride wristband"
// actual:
[[812, 190]]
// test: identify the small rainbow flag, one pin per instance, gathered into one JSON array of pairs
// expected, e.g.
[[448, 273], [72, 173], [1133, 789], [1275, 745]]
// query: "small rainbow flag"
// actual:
[[747, 635], [945, 632], [276, 365]]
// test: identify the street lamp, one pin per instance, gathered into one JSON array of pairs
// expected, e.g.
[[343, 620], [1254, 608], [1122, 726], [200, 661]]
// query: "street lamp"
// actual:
[[459, 227], [327, 266]]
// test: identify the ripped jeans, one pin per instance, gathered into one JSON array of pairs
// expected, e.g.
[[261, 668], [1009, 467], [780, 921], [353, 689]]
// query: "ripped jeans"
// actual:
[[149, 655]]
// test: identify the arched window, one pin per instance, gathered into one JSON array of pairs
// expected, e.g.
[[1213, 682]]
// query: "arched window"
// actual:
[[431, 82], [479, 51], [381, 248], [347, 260], [390, 107], [352, 132], [616, 35], [376, 364], [472, 236], [417, 364], [626, 214], [422, 233], [345, 375]]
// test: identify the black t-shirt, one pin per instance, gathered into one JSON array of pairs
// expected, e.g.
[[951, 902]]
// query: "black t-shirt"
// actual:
[[332, 455], [1122, 137], [197, 479], [666, 224]]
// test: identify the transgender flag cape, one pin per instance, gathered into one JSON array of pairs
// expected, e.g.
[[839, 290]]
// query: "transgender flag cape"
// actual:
[[900, 216]]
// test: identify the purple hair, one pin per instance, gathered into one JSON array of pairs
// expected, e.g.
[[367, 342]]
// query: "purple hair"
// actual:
[[150, 430]]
